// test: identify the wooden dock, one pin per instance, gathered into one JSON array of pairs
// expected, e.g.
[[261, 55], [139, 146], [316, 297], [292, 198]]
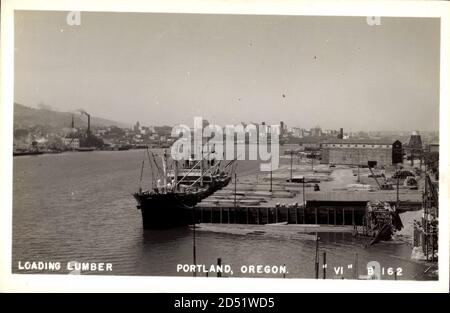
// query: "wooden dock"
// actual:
[[272, 198], [291, 214]]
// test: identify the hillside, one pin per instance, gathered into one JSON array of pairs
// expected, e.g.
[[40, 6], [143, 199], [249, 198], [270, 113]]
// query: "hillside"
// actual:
[[26, 117]]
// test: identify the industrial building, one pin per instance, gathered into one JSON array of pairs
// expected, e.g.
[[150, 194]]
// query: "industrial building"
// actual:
[[415, 144], [73, 143], [433, 147], [360, 152], [397, 152]]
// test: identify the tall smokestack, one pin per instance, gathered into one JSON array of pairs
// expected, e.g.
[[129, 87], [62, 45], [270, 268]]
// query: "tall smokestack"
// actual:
[[89, 124], [73, 123], [341, 133], [89, 120]]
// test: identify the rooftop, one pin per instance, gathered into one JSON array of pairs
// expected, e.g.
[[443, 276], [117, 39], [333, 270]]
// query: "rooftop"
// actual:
[[359, 141]]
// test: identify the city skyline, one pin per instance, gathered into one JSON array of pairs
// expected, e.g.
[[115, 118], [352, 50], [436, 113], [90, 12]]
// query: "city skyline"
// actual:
[[164, 69], [132, 125]]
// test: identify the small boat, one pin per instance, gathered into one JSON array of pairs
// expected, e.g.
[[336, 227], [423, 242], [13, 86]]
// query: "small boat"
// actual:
[[85, 149], [123, 148], [140, 147], [27, 152]]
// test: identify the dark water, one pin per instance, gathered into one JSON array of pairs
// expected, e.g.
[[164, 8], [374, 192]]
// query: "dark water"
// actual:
[[78, 207]]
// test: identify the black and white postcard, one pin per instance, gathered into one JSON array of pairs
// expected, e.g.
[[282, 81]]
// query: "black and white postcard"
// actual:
[[302, 149]]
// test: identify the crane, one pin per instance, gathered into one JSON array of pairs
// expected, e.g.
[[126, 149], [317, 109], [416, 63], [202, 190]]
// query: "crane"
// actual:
[[383, 186]]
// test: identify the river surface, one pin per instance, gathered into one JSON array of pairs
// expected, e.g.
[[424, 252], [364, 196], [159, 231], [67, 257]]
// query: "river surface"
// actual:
[[79, 207]]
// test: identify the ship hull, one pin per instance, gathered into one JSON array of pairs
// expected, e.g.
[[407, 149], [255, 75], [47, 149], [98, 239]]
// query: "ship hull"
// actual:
[[84, 149], [168, 210]]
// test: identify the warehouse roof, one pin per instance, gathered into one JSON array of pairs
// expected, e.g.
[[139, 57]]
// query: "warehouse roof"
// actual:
[[359, 141]]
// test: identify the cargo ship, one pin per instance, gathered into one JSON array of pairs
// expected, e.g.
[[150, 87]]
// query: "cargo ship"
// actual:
[[177, 186]]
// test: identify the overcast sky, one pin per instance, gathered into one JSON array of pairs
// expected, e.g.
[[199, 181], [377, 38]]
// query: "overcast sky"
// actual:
[[167, 68]]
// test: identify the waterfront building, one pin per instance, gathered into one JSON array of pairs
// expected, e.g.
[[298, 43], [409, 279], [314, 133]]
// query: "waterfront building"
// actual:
[[359, 152], [73, 143]]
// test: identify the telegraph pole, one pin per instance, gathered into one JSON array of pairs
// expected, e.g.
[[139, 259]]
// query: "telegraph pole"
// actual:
[[235, 183], [304, 199], [194, 253], [292, 155], [398, 184], [317, 257], [270, 175], [358, 166]]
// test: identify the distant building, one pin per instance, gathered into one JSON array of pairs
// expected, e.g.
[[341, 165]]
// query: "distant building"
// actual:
[[397, 152], [308, 143], [297, 132], [330, 132], [433, 147], [73, 143], [137, 127], [357, 152], [414, 148], [263, 128], [306, 133], [316, 131], [147, 130], [100, 132], [283, 129], [415, 144]]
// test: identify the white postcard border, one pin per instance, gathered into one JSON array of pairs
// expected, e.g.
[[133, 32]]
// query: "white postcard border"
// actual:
[[29, 283]]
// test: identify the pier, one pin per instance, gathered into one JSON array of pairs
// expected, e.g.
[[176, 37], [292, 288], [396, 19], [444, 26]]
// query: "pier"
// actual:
[[271, 198], [331, 214], [279, 214]]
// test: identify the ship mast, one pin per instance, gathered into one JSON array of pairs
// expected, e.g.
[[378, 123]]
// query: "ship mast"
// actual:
[[164, 163], [201, 168], [175, 174]]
